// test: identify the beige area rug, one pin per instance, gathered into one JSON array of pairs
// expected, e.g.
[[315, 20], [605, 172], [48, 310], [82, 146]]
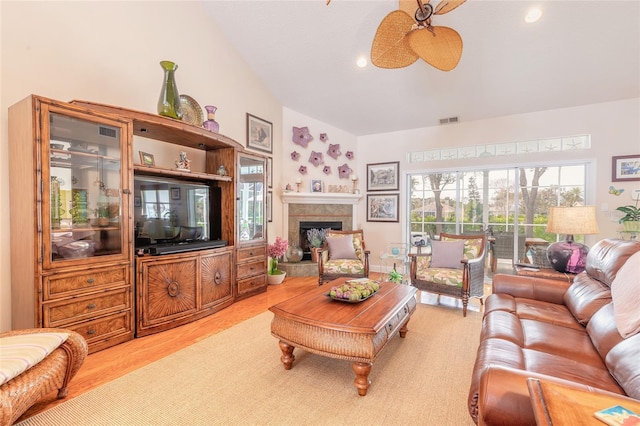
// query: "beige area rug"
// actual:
[[236, 378]]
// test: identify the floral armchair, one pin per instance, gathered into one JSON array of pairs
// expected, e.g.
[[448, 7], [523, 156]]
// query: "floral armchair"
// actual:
[[454, 268], [343, 255]]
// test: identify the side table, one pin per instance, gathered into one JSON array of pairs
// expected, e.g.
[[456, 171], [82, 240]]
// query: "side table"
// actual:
[[544, 273]]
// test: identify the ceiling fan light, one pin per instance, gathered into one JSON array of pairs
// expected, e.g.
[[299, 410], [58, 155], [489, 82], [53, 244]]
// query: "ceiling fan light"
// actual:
[[361, 62], [533, 15]]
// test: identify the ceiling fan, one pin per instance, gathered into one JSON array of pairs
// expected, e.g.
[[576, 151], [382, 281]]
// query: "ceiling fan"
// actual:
[[403, 36]]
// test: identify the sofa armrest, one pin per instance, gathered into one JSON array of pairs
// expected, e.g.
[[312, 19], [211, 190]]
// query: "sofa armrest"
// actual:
[[504, 395], [543, 289]]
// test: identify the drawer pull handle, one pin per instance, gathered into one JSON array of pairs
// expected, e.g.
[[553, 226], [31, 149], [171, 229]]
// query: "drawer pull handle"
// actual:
[[250, 253], [91, 332], [217, 278], [90, 280], [92, 306], [390, 326]]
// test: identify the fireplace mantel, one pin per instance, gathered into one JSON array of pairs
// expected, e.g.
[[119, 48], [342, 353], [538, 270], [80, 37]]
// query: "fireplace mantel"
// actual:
[[320, 198]]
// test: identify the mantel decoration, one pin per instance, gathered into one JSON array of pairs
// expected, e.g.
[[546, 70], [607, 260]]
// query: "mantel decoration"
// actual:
[[169, 100], [301, 136], [276, 251]]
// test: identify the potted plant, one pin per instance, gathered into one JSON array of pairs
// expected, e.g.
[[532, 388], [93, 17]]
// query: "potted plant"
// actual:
[[316, 238], [631, 219], [395, 276], [276, 251]]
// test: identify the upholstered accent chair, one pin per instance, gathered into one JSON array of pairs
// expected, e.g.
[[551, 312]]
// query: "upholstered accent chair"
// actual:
[[33, 362], [343, 255], [454, 268], [501, 246]]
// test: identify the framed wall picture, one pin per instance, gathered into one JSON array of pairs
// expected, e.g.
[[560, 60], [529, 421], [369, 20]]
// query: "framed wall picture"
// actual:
[[137, 201], [382, 207], [625, 168], [259, 134], [175, 193], [269, 172], [269, 206], [383, 176], [316, 185], [147, 159]]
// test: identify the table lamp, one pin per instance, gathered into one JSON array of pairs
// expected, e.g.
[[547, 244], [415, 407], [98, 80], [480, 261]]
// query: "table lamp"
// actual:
[[568, 255]]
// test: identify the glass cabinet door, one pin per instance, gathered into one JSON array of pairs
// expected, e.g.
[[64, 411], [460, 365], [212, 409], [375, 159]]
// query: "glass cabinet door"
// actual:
[[82, 175], [251, 198]]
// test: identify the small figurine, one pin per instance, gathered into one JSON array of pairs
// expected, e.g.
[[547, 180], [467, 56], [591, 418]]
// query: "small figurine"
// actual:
[[183, 163], [221, 170]]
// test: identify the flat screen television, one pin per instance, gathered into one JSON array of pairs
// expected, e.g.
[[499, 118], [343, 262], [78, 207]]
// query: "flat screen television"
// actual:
[[173, 215]]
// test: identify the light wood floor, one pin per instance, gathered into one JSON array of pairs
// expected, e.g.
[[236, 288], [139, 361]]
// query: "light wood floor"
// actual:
[[109, 364]]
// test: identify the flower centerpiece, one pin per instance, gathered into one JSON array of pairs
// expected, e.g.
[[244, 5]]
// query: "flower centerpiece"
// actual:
[[276, 251]]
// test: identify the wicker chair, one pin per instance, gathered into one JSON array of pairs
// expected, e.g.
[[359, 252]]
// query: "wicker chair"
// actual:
[[53, 372], [502, 248], [331, 267], [457, 283]]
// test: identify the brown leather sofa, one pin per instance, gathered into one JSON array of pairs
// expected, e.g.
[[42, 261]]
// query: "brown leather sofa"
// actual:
[[553, 330]]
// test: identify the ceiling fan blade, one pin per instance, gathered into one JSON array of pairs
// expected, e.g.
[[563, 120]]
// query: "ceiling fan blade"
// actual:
[[440, 47], [446, 6], [390, 47], [410, 6]]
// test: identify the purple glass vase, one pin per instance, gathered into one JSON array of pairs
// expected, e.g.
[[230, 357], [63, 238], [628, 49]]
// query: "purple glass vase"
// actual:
[[211, 124]]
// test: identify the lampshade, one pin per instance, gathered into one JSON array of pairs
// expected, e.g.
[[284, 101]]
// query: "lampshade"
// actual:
[[569, 256]]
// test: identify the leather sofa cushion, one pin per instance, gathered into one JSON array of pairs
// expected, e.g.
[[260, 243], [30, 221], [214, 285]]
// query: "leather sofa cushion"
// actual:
[[606, 257], [624, 364], [603, 332], [532, 309], [585, 296]]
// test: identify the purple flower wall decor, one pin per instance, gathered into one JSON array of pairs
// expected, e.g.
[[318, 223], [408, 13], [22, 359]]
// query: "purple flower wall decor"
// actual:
[[316, 158], [349, 155], [324, 137], [302, 170], [326, 170], [301, 136], [344, 171], [295, 155], [334, 151]]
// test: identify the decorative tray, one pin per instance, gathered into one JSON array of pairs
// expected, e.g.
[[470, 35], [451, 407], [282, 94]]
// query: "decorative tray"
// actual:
[[364, 288], [191, 111]]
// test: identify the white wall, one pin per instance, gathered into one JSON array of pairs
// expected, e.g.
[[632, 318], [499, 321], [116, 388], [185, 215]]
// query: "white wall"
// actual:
[[109, 52], [614, 128]]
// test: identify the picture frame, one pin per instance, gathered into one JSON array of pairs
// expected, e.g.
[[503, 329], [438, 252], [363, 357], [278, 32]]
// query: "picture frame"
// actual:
[[316, 185], [175, 193], [269, 172], [383, 176], [259, 134], [137, 201], [382, 207], [625, 168], [147, 159], [269, 208]]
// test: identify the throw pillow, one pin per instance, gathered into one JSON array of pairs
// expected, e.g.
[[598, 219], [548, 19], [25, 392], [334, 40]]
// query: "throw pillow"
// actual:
[[626, 297], [447, 254], [341, 247]]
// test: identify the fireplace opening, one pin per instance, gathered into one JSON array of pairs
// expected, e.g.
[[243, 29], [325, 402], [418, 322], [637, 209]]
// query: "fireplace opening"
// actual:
[[305, 226]]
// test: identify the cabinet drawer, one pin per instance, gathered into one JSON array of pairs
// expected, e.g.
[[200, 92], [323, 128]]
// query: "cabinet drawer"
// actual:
[[252, 268], [63, 284], [104, 328], [249, 252], [252, 284], [57, 314]]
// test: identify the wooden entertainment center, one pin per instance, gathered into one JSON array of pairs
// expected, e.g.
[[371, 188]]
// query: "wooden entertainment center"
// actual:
[[73, 205]]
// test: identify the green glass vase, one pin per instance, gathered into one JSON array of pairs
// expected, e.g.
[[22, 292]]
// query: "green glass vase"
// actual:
[[169, 101]]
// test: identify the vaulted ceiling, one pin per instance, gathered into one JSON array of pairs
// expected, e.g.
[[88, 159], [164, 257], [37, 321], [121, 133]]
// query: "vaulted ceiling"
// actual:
[[305, 51]]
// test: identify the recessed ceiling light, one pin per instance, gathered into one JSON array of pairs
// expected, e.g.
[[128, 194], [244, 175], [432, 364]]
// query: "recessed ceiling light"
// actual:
[[361, 62], [533, 15]]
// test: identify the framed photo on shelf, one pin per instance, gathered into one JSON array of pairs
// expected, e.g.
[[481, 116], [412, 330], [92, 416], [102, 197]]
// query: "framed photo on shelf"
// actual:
[[175, 193], [383, 176], [259, 134], [147, 159], [269, 206], [382, 207], [316, 185], [269, 172], [625, 168]]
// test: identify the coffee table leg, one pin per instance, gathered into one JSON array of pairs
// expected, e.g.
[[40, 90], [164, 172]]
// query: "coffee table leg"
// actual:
[[404, 329], [287, 357], [362, 370]]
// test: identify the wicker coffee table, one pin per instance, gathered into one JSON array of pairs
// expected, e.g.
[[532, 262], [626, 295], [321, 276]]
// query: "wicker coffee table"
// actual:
[[355, 332]]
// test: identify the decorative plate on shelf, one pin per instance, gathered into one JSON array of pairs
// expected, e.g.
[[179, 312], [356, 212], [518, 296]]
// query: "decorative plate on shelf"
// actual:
[[191, 111]]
